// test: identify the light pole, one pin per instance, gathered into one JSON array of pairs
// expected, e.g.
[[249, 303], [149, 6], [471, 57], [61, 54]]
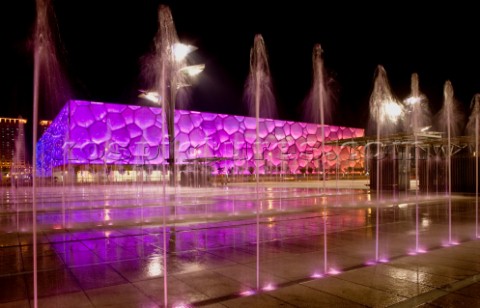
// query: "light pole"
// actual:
[[176, 82]]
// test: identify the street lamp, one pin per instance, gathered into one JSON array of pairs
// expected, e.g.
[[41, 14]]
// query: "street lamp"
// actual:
[[390, 110], [152, 96], [176, 81]]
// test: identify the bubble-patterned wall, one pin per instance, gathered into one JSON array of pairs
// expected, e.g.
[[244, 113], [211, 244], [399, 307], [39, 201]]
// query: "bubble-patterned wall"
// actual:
[[87, 132]]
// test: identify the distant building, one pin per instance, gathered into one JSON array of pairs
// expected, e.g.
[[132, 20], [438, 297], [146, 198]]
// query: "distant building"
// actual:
[[43, 126], [94, 141], [13, 160]]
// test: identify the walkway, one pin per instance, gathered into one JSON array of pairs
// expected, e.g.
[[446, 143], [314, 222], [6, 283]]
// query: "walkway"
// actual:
[[445, 277], [102, 246]]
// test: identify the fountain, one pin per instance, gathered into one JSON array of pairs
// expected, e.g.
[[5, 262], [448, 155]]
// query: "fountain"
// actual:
[[50, 88], [452, 128], [317, 109], [259, 97], [384, 114], [472, 129], [419, 122], [258, 94], [165, 69], [318, 105]]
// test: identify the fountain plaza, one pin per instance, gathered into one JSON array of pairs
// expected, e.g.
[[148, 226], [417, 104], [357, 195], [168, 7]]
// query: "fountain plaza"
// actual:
[[290, 245], [312, 215]]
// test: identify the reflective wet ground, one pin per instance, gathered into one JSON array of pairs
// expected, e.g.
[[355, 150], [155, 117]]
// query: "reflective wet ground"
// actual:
[[290, 244]]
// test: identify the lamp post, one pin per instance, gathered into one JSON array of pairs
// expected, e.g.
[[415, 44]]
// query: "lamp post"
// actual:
[[175, 83]]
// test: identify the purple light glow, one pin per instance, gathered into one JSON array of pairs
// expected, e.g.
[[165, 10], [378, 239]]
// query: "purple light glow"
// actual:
[[334, 271], [449, 243], [414, 252], [87, 132], [381, 260], [247, 293], [316, 275], [269, 287]]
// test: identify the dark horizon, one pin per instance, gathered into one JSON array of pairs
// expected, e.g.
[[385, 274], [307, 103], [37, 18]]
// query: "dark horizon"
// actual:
[[104, 44]]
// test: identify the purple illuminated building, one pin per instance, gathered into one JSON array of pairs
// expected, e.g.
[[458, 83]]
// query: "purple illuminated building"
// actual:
[[92, 133]]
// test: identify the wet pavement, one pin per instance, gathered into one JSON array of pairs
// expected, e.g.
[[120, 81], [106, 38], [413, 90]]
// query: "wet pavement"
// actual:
[[292, 245]]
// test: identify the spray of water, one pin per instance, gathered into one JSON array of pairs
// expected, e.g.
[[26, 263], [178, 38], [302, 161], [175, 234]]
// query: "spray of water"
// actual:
[[448, 114], [317, 110], [259, 97], [259, 82], [475, 112], [472, 129], [385, 110], [450, 118], [417, 107], [161, 70], [53, 87], [418, 119], [259, 75], [320, 98]]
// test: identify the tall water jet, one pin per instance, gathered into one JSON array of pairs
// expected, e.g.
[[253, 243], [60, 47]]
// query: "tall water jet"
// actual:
[[260, 100], [49, 87], [317, 106], [451, 127], [418, 121], [162, 68], [385, 112], [472, 129], [415, 127]]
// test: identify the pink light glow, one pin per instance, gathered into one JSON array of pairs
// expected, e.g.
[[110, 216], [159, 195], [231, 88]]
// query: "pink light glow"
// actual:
[[269, 287], [334, 271], [247, 293], [316, 275], [449, 243]]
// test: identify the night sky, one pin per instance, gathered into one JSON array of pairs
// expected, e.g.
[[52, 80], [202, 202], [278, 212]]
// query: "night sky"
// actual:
[[103, 43]]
